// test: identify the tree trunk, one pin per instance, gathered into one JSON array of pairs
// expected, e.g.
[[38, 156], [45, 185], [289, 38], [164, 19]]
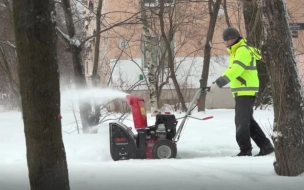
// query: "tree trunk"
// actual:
[[213, 12], [148, 56], [288, 131], [253, 25], [14, 86], [97, 44], [39, 88], [167, 41], [95, 76], [79, 75], [4, 51]]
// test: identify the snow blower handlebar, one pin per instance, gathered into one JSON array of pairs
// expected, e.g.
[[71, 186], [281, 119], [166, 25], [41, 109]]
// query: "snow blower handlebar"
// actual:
[[192, 105], [204, 118]]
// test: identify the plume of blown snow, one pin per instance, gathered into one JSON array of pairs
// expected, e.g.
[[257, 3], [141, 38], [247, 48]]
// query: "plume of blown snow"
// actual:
[[97, 95]]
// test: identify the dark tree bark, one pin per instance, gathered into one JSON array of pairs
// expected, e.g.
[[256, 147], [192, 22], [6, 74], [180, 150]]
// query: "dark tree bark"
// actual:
[[95, 76], [213, 12], [254, 30], [288, 136], [40, 94], [97, 43], [7, 54], [5, 66]]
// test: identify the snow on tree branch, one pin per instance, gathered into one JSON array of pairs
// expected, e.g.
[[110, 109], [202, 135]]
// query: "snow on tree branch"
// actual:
[[8, 43], [73, 41]]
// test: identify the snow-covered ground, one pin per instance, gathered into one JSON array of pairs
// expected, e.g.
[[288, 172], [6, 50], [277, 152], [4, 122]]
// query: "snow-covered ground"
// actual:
[[204, 157]]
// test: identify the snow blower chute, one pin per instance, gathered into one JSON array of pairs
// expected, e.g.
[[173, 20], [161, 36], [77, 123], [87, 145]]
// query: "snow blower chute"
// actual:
[[151, 142]]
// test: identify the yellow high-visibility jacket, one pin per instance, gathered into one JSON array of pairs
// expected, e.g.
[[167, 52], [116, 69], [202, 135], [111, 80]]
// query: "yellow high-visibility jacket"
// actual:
[[242, 72]]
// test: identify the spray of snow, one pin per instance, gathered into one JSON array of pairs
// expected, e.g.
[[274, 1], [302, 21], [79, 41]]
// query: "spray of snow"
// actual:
[[98, 95]]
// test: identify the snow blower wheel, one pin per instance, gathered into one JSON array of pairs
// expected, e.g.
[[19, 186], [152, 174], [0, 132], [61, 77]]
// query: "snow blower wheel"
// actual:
[[164, 149]]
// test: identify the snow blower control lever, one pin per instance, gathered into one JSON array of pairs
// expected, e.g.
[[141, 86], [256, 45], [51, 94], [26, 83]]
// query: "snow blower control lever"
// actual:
[[149, 142], [192, 105]]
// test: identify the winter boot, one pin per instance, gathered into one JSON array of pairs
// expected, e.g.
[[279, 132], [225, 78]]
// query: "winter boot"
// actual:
[[266, 150], [245, 153]]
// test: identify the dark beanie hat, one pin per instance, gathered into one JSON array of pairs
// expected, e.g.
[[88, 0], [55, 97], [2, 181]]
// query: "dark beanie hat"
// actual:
[[230, 33]]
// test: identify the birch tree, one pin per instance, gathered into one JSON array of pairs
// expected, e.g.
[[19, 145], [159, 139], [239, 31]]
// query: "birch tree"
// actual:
[[288, 101], [35, 34], [148, 58], [182, 25]]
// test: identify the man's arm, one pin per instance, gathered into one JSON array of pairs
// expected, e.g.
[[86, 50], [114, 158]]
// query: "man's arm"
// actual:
[[241, 61]]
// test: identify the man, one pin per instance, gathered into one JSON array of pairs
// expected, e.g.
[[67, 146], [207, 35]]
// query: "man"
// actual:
[[244, 83]]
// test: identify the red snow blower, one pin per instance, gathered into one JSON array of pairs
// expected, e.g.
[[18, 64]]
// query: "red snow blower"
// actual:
[[151, 142]]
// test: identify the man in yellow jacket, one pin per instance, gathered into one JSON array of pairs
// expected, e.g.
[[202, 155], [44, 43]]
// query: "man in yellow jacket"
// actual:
[[244, 83]]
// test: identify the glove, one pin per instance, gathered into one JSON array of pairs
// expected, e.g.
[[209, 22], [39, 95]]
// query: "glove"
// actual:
[[214, 87]]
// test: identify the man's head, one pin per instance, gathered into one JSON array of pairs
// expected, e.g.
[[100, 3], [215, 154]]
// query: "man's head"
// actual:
[[230, 36]]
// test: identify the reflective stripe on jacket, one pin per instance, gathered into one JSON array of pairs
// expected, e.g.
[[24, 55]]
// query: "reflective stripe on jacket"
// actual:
[[242, 72]]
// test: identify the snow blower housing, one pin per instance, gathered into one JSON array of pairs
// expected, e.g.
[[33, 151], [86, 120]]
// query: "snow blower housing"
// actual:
[[150, 142]]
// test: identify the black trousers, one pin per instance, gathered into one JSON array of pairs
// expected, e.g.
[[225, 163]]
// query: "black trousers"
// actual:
[[246, 126]]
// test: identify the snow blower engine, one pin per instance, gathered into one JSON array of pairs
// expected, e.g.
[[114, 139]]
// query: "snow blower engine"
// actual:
[[151, 142]]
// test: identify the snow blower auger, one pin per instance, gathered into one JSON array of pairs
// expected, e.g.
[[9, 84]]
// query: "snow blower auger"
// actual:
[[151, 142]]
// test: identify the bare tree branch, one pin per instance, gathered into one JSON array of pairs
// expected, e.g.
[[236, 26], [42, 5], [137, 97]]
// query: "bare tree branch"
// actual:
[[111, 27], [224, 4]]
